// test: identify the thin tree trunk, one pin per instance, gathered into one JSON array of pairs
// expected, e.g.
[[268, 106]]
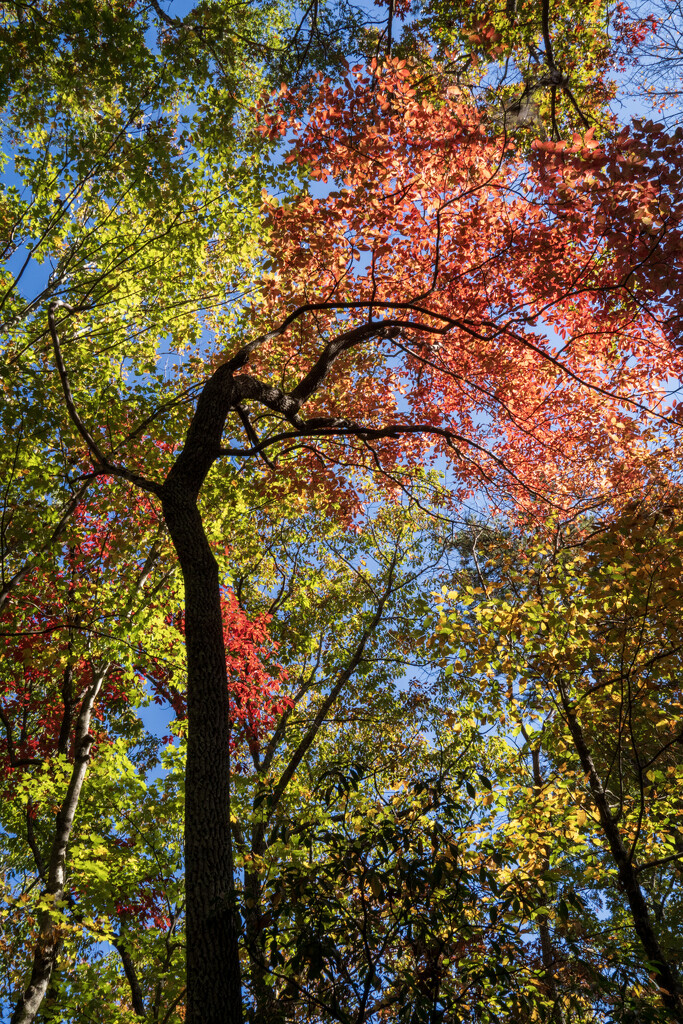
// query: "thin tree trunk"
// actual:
[[547, 948], [268, 1009], [131, 977], [49, 935], [663, 972]]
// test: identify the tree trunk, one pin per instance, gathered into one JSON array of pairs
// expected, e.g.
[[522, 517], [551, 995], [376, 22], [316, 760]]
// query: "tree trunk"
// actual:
[[548, 954], [50, 934], [268, 1009], [663, 972], [213, 969]]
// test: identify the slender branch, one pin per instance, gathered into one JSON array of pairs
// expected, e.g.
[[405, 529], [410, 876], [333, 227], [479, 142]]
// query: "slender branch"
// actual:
[[31, 838], [171, 1008], [342, 679], [660, 861], [252, 435], [545, 23], [241, 358], [93, 447], [393, 430], [15, 762], [70, 508], [171, 22], [664, 971], [132, 978], [102, 464]]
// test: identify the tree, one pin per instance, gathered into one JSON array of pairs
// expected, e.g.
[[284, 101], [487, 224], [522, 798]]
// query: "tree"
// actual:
[[67, 701], [104, 190], [584, 636], [582, 305], [526, 60]]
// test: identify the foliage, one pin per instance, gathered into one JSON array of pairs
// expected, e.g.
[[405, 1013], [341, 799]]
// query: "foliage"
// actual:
[[245, 323], [575, 645]]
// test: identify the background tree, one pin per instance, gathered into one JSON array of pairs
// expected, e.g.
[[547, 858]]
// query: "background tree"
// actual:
[[583, 634]]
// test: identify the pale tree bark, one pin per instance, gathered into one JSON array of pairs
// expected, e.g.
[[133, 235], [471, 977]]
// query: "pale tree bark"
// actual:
[[49, 940]]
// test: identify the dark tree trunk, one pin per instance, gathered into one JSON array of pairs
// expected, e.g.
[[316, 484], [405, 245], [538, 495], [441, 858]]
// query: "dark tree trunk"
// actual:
[[267, 1008], [663, 972], [213, 967], [214, 991], [548, 954]]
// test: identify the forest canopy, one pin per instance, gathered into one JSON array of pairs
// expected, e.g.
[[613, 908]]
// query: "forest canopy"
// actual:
[[341, 529]]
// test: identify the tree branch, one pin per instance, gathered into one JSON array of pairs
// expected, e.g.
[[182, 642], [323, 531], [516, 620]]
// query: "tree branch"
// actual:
[[102, 464], [48, 943], [661, 860], [342, 679], [55, 535], [132, 978]]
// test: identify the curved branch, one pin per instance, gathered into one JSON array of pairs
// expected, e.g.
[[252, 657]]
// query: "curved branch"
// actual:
[[102, 464], [342, 428], [240, 359]]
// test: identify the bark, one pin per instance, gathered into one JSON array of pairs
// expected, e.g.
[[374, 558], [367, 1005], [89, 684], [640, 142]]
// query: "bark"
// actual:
[[212, 932], [663, 972], [548, 955], [132, 979], [214, 989], [548, 958], [49, 940], [268, 1008], [213, 967]]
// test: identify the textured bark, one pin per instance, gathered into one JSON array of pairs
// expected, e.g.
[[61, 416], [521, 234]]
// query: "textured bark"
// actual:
[[548, 958], [268, 1009], [214, 993], [213, 968], [663, 972], [49, 940]]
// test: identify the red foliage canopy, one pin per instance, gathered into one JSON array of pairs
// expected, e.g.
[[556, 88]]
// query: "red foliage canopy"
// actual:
[[530, 305]]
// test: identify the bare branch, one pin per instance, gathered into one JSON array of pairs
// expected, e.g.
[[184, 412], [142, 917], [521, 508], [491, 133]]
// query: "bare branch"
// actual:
[[102, 465]]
